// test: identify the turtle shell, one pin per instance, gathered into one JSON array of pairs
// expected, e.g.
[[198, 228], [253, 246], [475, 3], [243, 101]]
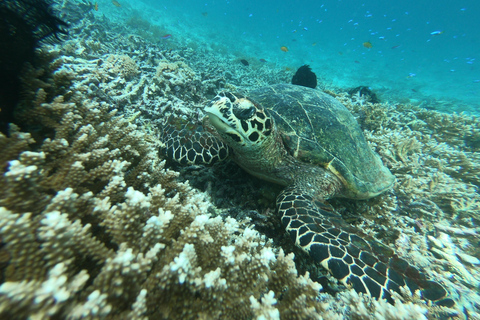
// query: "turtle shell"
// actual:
[[318, 129]]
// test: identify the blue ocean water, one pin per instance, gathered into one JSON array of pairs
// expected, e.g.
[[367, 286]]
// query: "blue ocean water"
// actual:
[[405, 50]]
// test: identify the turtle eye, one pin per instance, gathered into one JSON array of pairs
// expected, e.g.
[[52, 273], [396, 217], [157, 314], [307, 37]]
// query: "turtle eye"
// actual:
[[230, 96], [244, 114]]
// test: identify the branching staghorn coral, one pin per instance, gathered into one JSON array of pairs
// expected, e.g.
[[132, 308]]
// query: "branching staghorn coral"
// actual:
[[93, 226], [164, 248]]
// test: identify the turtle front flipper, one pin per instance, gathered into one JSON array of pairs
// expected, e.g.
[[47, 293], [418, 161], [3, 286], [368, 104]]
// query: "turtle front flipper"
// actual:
[[353, 258], [191, 143]]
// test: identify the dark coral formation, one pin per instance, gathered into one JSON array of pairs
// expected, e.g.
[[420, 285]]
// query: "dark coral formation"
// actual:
[[305, 77], [24, 26]]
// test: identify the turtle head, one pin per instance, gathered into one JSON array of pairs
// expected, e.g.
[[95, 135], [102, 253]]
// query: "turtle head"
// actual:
[[240, 121]]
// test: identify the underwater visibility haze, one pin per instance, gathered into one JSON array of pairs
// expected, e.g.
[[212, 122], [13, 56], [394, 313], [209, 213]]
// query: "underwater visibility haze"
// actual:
[[159, 156], [412, 49]]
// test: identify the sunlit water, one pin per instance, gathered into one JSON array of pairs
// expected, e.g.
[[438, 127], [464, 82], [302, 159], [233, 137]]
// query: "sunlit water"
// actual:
[[420, 50]]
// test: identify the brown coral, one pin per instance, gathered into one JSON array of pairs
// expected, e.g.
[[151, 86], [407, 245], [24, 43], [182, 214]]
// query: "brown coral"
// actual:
[[92, 225]]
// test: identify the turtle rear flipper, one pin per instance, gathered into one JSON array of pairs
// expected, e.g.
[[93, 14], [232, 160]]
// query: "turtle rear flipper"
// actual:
[[353, 258], [191, 143]]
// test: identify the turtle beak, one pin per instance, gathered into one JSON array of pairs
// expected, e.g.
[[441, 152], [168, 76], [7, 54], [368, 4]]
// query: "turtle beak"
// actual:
[[239, 119], [218, 123], [220, 114]]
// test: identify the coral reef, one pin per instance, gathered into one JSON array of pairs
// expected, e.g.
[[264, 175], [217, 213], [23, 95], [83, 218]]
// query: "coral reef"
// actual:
[[434, 207], [24, 26], [117, 66], [94, 224]]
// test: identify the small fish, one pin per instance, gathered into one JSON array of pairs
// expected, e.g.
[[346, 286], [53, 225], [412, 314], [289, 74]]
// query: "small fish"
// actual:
[[116, 4], [165, 37], [204, 14], [95, 6], [368, 45], [244, 62], [356, 61], [262, 60], [436, 33], [395, 47], [314, 44], [411, 75], [284, 49]]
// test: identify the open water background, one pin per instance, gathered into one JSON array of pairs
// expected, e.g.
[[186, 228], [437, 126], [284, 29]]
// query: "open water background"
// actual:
[[406, 61]]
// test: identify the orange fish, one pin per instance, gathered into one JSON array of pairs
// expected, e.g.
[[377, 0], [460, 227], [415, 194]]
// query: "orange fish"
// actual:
[[368, 45], [284, 49], [116, 4], [95, 6]]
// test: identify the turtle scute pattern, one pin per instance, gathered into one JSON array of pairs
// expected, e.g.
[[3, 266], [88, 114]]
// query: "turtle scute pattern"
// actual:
[[190, 143], [355, 259], [318, 129]]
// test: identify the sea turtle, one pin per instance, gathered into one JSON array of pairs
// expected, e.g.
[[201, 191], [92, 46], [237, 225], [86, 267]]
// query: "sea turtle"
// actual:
[[310, 143]]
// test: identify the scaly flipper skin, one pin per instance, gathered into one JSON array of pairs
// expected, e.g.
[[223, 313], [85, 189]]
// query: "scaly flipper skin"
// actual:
[[191, 143], [357, 261]]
